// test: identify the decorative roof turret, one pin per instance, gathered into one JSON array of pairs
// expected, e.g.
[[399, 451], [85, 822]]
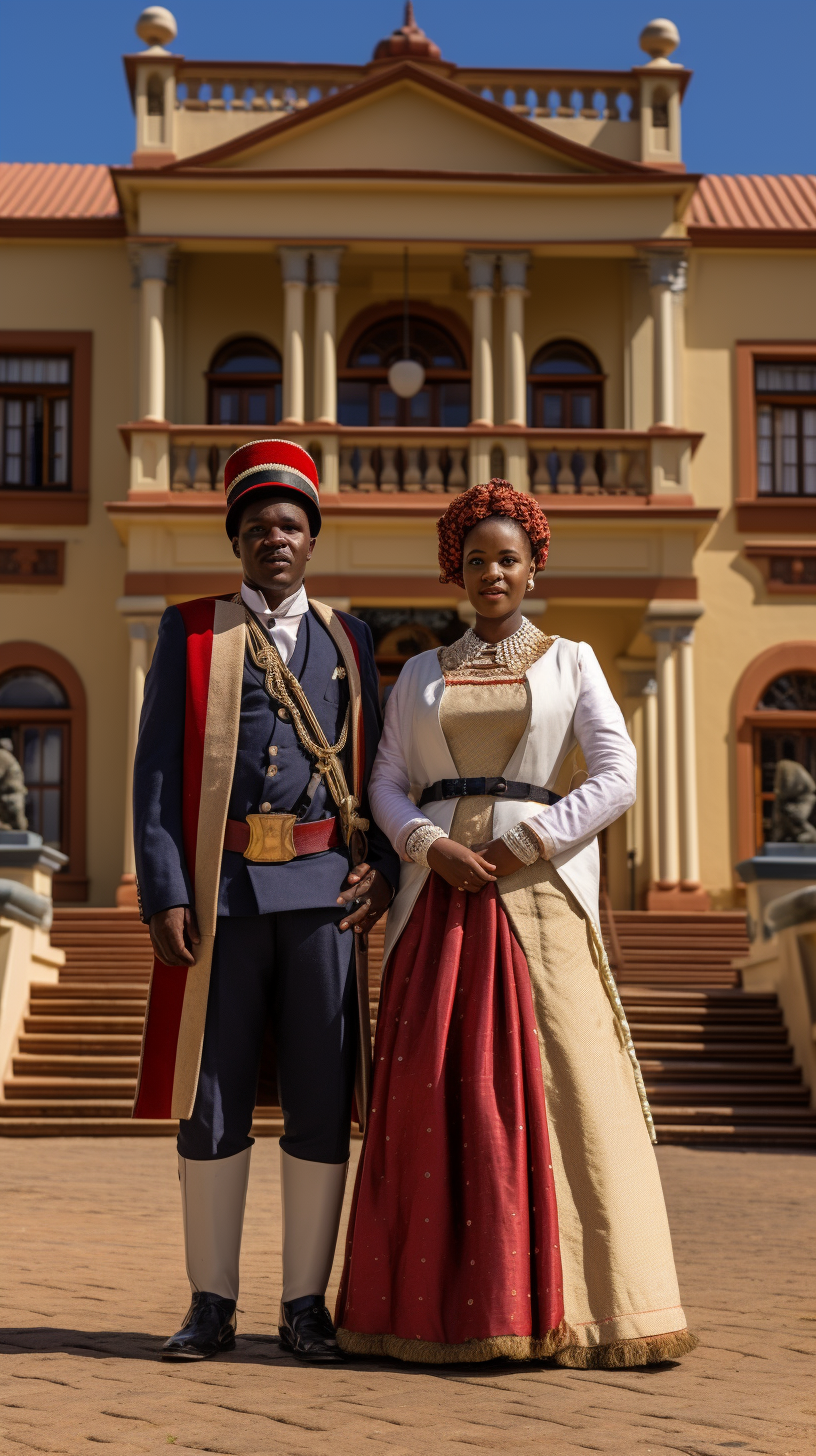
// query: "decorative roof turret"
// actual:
[[408, 42]]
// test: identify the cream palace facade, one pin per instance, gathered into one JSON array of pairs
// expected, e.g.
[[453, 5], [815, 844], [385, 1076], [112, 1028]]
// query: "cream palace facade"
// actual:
[[633, 343]]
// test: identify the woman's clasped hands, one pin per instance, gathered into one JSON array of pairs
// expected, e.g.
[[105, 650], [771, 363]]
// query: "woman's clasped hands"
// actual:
[[471, 869]]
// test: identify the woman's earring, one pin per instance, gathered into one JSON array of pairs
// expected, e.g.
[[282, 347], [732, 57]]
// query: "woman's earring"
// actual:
[[531, 583]]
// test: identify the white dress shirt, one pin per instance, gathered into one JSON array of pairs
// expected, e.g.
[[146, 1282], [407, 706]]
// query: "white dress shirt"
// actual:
[[282, 624]]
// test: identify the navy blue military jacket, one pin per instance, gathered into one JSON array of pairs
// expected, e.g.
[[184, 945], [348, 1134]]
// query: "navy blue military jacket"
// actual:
[[308, 882]]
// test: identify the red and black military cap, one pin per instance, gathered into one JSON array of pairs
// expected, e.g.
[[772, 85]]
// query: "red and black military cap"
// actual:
[[268, 467]]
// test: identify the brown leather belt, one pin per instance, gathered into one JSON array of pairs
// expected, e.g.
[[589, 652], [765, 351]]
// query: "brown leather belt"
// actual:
[[311, 838]]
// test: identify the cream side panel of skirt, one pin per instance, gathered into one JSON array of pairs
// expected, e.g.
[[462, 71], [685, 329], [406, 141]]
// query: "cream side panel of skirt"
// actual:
[[616, 1253]]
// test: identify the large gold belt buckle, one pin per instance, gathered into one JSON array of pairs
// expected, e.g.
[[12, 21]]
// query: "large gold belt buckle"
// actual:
[[271, 838]]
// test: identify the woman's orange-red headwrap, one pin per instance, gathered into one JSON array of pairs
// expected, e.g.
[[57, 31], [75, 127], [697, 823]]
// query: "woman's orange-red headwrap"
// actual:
[[497, 498]]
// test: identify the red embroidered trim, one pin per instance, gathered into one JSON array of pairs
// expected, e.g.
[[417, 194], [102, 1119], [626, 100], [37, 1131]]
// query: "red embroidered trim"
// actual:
[[463, 682]]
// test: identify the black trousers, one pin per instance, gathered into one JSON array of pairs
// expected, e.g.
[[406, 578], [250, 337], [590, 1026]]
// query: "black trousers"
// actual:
[[297, 969]]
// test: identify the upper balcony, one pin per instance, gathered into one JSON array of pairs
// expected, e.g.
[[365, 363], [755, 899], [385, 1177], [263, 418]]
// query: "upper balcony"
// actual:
[[185, 107], [410, 469]]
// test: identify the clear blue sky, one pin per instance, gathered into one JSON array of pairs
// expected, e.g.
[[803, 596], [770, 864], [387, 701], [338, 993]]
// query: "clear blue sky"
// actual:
[[750, 106]]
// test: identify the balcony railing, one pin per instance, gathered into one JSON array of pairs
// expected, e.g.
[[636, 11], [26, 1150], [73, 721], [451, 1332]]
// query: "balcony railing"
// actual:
[[575, 466], [280, 89], [184, 459]]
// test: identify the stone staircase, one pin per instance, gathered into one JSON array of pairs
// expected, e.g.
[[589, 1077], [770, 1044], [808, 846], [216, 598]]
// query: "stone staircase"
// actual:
[[717, 1063]]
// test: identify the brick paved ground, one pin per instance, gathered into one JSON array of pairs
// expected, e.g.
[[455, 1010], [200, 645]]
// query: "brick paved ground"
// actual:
[[91, 1281]]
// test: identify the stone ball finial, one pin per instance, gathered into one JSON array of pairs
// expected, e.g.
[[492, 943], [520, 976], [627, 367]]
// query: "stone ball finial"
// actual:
[[658, 39], [156, 26]]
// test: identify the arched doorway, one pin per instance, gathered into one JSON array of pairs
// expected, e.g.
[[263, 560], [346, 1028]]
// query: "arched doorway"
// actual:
[[776, 718], [373, 343], [565, 388], [244, 384], [42, 715]]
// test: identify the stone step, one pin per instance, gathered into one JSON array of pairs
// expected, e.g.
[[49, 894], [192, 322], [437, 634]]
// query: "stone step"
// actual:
[[68, 1107], [64, 1011], [739, 1134], [714, 1115], [69, 1025], [760, 1051], [707, 1031], [67, 1066], [785, 1094], [56, 1088], [704, 1069], [79, 1046]]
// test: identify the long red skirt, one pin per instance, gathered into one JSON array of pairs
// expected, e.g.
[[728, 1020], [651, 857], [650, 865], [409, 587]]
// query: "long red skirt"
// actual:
[[452, 1247]]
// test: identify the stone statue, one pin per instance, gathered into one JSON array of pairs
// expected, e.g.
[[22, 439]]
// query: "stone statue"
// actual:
[[12, 789], [794, 798]]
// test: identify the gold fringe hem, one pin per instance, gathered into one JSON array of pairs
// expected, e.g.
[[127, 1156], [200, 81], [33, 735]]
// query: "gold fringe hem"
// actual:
[[428, 1352], [624, 1354]]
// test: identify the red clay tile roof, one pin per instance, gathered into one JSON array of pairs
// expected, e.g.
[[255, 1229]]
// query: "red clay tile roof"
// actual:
[[56, 197], [747, 206], [43, 198]]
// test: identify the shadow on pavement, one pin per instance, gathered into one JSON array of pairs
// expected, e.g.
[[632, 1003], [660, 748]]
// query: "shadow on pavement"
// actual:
[[259, 1350]]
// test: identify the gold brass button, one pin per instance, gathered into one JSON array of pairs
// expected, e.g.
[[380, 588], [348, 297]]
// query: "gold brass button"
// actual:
[[283, 714], [273, 752], [265, 808], [271, 771]]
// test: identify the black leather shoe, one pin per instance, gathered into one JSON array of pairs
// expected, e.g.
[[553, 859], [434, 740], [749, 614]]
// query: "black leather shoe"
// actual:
[[307, 1332], [209, 1328]]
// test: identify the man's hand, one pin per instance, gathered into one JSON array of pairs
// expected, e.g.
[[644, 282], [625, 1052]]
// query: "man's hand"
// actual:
[[373, 890], [173, 932], [461, 867]]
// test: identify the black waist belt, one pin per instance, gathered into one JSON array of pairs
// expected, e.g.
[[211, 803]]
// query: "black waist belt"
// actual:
[[502, 788]]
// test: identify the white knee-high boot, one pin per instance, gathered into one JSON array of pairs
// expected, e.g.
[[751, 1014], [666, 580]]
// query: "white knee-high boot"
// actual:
[[312, 1201], [213, 1197]]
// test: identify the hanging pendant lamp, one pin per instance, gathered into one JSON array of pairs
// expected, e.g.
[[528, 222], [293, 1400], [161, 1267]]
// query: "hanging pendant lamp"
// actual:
[[407, 376]]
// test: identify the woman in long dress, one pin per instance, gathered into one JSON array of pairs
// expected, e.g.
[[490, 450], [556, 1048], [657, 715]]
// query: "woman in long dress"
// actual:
[[508, 1201]]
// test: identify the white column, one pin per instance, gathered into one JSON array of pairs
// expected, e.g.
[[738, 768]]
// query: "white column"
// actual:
[[667, 279], [652, 814], [668, 844], [689, 828], [514, 292], [326, 281], [142, 616], [294, 265], [481, 267], [152, 270]]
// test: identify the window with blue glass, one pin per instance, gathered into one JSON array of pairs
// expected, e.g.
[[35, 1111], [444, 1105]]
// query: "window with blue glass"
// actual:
[[565, 388], [244, 384], [363, 395]]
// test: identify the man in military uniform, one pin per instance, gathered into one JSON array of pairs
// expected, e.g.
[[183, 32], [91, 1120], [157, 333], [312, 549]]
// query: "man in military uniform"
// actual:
[[260, 876]]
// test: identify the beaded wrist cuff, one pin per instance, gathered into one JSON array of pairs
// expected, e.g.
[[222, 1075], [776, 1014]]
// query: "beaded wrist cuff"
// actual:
[[523, 843], [420, 841]]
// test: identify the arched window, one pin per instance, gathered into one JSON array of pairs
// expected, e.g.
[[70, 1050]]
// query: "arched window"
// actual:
[[42, 717], [565, 388], [790, 733], [776, 719], [244, 384], [363, 395]]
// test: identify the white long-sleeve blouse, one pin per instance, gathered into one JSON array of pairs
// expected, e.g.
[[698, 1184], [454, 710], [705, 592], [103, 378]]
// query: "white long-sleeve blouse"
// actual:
[[571, 704]]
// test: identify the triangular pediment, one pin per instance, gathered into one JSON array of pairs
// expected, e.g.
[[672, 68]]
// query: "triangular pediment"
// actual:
[[407, 120]]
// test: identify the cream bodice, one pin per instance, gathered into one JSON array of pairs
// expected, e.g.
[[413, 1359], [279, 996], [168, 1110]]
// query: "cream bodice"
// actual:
[[483, 713]]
